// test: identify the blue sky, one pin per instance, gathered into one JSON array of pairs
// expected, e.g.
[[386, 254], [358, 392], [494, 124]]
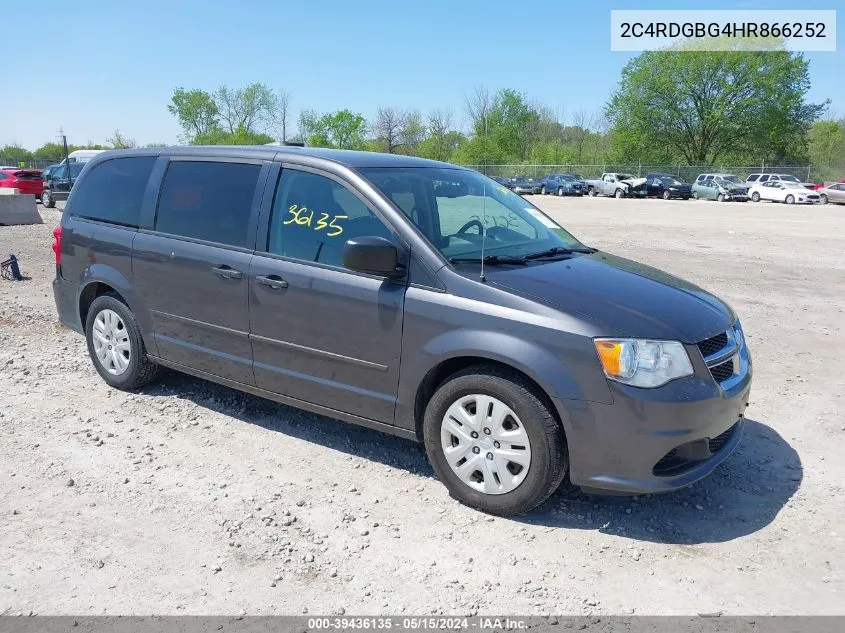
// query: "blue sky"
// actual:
[[125, 58]]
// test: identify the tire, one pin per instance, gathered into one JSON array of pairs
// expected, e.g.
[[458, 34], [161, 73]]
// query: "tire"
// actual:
[[560, 191], [547, 455], [618, 194], [47, 199], [543, 190], [686, 197], [666, 195], [823, 198], [720, 198], [138, 370], [591, 192], [694, 195], [790, 199], [755, 197]]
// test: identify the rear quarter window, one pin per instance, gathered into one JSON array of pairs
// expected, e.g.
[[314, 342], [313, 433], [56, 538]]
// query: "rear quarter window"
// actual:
[[113, 191]]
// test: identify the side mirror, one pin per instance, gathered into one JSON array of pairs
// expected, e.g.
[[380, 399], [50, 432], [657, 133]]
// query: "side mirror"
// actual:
[[373, 255]]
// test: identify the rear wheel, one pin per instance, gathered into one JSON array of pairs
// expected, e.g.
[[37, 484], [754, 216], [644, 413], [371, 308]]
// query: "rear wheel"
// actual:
[[543, 190], [755, 197], [560, 191], [619, 194], [790, 199], [493, 442], [47, 199], [115, 344]]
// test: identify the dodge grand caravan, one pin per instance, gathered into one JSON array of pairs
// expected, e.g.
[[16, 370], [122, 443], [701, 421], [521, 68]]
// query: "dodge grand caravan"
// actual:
[[409, 296]]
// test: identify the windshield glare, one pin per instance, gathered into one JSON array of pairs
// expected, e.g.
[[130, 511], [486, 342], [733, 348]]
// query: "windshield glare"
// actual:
[[789, 178], [731, 179], [455, 208]]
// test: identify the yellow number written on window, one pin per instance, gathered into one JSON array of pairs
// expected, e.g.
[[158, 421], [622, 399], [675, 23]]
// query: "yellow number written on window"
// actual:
[[304, 217]]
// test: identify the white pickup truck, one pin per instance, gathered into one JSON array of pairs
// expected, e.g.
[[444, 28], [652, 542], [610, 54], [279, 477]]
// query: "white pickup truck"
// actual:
[[616, 185]]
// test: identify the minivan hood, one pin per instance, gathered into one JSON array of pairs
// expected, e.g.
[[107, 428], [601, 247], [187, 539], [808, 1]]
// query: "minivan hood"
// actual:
[[624, 298]]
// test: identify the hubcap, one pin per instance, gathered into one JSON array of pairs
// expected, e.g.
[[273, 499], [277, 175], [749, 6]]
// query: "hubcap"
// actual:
[[111, 342], [485, 444]]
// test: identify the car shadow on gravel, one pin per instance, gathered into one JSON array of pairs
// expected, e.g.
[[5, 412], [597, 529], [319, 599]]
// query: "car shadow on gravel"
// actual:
[[357, 441], [743, 495]]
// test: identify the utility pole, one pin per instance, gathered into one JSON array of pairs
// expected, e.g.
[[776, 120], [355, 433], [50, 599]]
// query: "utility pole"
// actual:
[[67, 158]]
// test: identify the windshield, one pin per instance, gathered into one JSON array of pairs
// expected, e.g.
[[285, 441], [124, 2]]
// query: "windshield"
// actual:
[[792, 185], [455, 208], [788, 179], [669, 180], [578, 176], [729, 179]]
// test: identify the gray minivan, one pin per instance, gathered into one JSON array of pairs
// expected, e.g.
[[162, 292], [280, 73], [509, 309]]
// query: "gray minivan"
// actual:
[[410, 296]]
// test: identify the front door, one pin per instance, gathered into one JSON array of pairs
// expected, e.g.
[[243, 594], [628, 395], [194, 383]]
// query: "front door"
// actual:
[[321, 333], [192, 269]]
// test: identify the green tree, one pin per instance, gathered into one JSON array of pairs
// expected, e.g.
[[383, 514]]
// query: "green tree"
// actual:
[[238, 137], [826, 141], [703, 105], [14, 154], [343, 129], [195, 110], [248, 108], [119, 141]]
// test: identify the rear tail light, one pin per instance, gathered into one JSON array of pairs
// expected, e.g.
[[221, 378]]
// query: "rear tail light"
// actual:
[[57, 244]]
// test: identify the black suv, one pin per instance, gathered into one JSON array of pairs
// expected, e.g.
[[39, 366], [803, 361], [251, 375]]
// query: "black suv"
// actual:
[[57, 184], [409, 296]]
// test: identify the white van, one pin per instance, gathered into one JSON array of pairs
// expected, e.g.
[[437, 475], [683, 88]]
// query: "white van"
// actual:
[[82, 155]]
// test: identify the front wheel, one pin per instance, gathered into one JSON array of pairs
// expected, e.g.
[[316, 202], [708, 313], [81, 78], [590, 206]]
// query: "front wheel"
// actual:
[[755, 197], [560, 191], [666, 195], [591, 192], [720, 198], [115, 344], [543, 190], [619, 194], [47, 199], [493, 442], [790, 199], [823, 198]]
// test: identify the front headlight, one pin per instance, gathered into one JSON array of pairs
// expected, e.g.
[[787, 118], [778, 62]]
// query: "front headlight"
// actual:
[[643, 363]]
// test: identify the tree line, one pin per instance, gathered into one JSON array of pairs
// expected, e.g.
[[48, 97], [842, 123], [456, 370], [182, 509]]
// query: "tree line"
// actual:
[[694, 107]]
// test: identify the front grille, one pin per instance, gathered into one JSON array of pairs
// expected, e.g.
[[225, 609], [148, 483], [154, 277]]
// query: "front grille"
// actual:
[[716, 443], [671, 464], [723, 372], [712, 345]]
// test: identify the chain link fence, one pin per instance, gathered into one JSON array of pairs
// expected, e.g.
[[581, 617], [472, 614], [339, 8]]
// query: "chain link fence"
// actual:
[[805, 173], [30, 163]]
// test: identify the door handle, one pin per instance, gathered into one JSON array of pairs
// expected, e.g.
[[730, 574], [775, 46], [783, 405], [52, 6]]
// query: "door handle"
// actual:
[[225, 272], [272, 281]]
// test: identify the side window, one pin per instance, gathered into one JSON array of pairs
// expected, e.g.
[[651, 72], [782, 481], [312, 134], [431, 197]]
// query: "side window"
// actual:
[[3, 176], [313, 216], [113, 191], [763, 178], [209, 201]]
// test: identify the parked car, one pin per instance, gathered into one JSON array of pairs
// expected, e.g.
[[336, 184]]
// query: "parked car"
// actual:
[[667, 186], [47, 171], [759, 178], [783, 191], [617, 185], [832, 193], [370, 288], [525, 186], [719, 187], [27, 181], [563, 185], [58, 184]]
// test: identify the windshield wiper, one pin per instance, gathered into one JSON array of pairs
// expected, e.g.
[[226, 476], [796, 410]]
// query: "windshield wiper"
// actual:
[[558, 250], [492, 260]]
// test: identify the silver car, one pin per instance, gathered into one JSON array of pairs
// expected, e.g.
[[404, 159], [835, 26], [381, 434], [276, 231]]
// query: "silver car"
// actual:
[[832, 193]]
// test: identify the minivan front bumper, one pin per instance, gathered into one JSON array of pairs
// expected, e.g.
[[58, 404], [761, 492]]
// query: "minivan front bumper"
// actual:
[[656, 440]]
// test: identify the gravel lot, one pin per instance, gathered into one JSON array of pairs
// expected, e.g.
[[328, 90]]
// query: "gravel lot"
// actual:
[[190, 498]]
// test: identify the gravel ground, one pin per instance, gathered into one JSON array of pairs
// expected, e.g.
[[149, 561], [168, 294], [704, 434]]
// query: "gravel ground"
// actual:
[[189, 498]]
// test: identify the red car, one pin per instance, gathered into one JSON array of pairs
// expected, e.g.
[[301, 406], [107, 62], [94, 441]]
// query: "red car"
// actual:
[[25, 180]]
